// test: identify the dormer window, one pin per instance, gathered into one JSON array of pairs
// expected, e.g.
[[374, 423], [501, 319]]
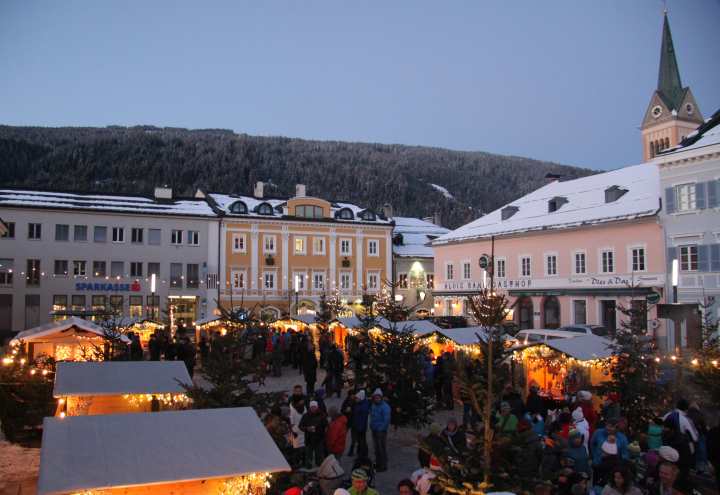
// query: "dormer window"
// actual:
[[368, 216], [239, 208], [613, 193], [508, 212], [398, 240], [556, 203], [345, 214], [309, 211], [264, 209]]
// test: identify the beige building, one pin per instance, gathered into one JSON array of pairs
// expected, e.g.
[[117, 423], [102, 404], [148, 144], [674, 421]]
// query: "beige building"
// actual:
[[672, 113], [282, 254]]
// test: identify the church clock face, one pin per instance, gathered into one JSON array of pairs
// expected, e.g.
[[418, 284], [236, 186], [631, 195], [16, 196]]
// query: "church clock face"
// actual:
[[656, 111], [689, 108]]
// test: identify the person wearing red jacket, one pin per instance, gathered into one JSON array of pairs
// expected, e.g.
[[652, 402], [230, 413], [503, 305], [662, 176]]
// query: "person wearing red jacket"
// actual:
[[336, 433]]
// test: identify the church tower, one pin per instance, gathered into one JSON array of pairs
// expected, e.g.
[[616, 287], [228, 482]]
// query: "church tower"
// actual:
[[672, 113]]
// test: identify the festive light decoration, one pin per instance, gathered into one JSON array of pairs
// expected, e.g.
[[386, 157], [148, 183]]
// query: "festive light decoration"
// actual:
[[251, 484], [176, 400]]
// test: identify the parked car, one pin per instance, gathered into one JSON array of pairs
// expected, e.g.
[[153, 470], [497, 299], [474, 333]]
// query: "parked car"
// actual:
[[530, 336], [586, 329]]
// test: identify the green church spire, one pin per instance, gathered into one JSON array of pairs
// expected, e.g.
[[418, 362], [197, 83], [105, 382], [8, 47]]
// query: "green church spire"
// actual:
[[669, 84]]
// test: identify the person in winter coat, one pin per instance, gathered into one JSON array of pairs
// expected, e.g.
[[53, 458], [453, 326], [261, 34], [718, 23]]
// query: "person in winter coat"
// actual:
[[309, 369], [454, 438], [584, 400], [580, 424], [505, 421], [360, 413], [535, 404], [314, 424], [578, 453], [336, 433], [154, 347], [601, 435], [335, 367], [672, 437], [297, 410], [654, 434], [529, 451], [380, 415]]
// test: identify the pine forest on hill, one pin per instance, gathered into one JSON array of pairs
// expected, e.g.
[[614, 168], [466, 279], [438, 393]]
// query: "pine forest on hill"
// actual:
[[134, 160]]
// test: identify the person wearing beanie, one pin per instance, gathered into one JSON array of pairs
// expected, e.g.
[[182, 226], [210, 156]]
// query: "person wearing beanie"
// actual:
[[314, 424], [380, 415], [359, 423], [360, 484], [585, 402], [341, 491], [578, 452]]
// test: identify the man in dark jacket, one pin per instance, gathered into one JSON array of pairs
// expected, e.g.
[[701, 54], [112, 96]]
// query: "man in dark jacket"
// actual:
[[309, 369], [313, 424], [360, 413], [335, 366]]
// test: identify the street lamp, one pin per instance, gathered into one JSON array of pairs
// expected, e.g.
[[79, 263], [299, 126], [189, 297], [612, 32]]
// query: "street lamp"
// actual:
[[675, 276], [297, 291], [152, 294]]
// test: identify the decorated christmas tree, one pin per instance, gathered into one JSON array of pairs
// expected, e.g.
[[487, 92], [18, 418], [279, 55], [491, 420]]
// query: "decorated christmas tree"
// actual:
[[706, 364]]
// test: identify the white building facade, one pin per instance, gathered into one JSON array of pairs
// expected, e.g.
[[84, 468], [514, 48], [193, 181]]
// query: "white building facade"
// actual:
[[82, 253]]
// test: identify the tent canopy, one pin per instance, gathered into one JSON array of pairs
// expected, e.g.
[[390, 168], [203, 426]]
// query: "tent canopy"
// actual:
[[583, 348], [419, 327], [59, 327], [120, 377], [355, 322], [123, 450], [465, 335]]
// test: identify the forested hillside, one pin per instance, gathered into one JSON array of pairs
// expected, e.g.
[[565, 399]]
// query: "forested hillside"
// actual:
[[135, 159]]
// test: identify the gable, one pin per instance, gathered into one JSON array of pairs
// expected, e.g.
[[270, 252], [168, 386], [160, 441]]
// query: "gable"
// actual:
[[650, 119], [689, 109]]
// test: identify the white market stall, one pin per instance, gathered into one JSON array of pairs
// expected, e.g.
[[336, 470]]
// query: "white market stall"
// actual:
[[201, 451], [113, 387], [71, 339]]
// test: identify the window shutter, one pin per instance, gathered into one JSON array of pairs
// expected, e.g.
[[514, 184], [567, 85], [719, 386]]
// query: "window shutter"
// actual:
[[713, 201], [715, 258], [703, 258], [671, 255], [700, 196], [670, 200]]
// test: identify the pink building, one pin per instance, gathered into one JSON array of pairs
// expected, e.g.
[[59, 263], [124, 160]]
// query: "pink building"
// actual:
[[571, 252]]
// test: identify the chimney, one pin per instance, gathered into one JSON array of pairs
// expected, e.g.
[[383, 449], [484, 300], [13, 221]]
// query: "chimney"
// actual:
[[300, 190], [259, 189], [388, 210], [200, 194], [436, 219], [164, 192], [550, 177]]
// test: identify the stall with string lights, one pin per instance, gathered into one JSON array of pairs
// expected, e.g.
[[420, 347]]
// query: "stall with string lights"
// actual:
[[112, 387], [560, 367], [71, 339], [203, 451]]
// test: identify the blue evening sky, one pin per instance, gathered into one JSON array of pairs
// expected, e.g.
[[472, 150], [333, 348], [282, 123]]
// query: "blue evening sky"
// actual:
[[561, 80]]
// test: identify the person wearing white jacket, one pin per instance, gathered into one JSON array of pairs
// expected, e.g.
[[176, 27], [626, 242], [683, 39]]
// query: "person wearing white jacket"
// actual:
[[581, 425], [297, 409]]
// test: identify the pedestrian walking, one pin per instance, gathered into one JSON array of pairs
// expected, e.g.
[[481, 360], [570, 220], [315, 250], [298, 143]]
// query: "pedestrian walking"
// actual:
[[309, 369], [313, 424], [336, 435], [380, 414], [360, 413]]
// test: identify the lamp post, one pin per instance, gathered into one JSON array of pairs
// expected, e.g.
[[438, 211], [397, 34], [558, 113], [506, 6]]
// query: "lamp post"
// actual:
[[152, 294], [297, 294]]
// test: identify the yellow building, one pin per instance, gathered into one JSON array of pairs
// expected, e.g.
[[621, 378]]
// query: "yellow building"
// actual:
[[283, 254]]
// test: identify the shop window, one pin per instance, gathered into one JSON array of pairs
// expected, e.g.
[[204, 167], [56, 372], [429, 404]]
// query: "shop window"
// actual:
[[551, 312]]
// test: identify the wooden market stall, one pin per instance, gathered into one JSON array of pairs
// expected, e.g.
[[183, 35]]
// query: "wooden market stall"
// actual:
[[71, 339], [299, 323], [113, 387], [564, 366], [201, 451], [143, 327]]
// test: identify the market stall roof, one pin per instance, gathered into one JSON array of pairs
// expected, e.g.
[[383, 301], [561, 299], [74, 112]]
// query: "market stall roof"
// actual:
[[120, 377], [123, 450], [583, 348], [61, 326], [419, 327], [465, 335], [355, 322], [206, 320], [307, 319]]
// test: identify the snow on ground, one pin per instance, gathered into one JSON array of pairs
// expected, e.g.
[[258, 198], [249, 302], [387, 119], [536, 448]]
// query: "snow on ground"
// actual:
[[19, 468], [444, 191]]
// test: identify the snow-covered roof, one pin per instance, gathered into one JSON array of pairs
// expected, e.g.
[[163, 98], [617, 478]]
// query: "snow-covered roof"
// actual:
[[104, 202], [103, 451], [419, 327], [580, 202], [61, 326], [583, 348], [415, 237], [225, 201], [355, 322], [707, 134], [465, 335], [120, 377]]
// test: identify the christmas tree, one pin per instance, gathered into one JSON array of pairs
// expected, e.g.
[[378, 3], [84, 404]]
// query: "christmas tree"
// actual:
[[707, 363], [633, 368], [396, 363]]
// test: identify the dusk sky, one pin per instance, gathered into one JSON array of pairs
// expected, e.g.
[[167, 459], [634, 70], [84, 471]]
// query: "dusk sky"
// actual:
[[566, 81]]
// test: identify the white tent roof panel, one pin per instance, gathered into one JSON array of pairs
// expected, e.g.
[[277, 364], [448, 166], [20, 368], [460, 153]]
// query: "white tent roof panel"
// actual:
[[120, 377], [123, 450]]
